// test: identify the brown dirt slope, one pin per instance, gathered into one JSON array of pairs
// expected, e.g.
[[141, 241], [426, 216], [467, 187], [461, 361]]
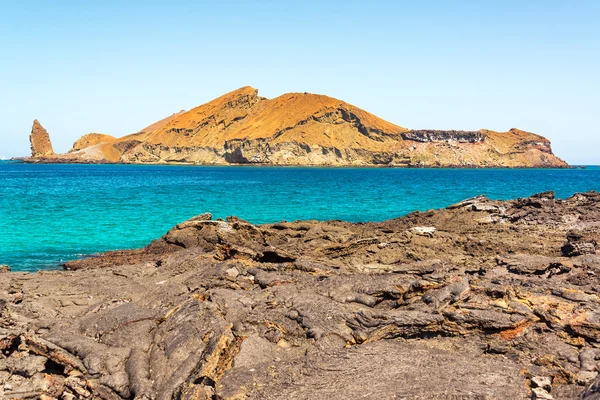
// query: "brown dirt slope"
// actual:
[[159, 124], [92, 139]]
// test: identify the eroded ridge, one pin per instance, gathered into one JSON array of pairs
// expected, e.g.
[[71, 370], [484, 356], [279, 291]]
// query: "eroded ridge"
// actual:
[[482, 300]]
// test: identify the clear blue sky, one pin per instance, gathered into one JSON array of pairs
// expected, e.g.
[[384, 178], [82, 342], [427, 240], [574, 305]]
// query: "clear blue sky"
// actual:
[[116, 66]]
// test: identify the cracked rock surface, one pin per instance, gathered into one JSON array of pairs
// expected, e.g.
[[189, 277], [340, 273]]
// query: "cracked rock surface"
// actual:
[[485, 300]]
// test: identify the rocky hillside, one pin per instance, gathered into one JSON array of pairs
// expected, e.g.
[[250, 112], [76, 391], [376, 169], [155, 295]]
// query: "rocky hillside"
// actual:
[[307, 129], [482, 300]]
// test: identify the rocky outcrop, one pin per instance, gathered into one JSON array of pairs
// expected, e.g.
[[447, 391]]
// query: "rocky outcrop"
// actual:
[[93, 148], [484, 299], [429, 136], [307, 129], [40, 141]]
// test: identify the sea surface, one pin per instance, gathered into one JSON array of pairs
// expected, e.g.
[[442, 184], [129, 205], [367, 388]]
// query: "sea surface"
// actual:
[[53, 213]]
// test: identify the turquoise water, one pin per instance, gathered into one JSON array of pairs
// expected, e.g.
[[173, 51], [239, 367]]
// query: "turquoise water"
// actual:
[[53, 213]]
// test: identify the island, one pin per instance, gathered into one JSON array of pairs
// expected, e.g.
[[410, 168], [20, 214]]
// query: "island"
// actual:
[[298, 129]]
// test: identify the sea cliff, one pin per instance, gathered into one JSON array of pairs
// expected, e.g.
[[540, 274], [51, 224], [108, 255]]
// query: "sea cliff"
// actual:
[[303, 129], [40, 141], [483, 299]]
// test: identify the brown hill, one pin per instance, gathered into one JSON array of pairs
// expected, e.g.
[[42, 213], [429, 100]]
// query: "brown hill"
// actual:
[[309, 129], [92, 139]]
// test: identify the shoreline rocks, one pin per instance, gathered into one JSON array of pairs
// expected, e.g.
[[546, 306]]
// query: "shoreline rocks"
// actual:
[[224, 309]]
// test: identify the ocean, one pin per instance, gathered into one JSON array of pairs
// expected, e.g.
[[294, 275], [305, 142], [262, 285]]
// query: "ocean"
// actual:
[[53, 213]]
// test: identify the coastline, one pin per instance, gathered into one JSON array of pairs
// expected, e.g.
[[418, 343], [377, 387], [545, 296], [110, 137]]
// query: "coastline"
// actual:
[[96, 208], [215, 307], [44, 161]]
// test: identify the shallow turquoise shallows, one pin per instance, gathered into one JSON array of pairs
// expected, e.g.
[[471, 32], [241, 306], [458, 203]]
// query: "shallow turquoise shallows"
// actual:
[[53, 213]]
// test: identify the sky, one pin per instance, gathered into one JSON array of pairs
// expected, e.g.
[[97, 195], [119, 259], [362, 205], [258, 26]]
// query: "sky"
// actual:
[[115, 67]]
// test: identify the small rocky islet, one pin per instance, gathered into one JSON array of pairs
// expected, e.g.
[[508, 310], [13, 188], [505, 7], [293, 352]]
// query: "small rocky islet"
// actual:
[[482, 300], [242, 127]]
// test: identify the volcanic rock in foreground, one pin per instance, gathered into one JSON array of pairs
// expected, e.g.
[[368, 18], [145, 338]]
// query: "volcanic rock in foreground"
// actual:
[[482, 300], [40, 141], [306, 129]]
